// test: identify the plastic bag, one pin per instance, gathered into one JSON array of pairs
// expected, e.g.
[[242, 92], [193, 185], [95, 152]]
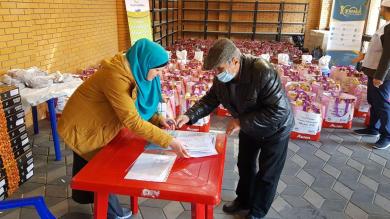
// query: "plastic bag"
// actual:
[[324, 65], [306, 59], [283, 59], [266, 57], [38, 82]]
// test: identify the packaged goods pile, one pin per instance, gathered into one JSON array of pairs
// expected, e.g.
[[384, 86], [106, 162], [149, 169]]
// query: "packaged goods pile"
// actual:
[[16, 161]]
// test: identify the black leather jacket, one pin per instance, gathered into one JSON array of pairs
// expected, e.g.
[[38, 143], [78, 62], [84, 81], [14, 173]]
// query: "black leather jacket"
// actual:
[[260, 101]]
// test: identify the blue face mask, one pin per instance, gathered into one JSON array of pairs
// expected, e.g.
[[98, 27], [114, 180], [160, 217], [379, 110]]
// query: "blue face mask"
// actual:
[[225, 77]]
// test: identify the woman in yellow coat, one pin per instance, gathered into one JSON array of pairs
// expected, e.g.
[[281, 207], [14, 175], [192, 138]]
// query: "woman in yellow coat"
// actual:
[[124, 92]]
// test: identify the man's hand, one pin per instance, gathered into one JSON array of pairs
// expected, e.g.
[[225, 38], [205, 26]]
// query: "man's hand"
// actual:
[[182, 120], [168, 124], [233, 126], [179, 149], [377, 83], [359, 58]]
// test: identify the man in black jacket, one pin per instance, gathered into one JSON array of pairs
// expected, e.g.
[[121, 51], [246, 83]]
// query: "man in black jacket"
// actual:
[[376, 65], [251, 90]]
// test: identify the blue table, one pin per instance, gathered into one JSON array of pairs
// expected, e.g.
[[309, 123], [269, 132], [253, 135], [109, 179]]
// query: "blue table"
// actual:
[[53, 123]]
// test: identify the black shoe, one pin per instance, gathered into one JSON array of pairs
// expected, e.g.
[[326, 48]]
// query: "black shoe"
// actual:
[[382, 143], [366, 132], [234, 207], [249, 216]]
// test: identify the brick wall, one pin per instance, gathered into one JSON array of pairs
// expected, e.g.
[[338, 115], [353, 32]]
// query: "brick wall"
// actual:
[[63, 35]]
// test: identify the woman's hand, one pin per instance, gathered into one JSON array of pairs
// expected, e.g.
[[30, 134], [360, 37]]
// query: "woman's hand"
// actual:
[[168, 124], [178, 148]]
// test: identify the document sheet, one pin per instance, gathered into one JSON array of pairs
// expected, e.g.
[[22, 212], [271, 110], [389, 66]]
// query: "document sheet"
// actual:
[[151, 167], [197, 144]]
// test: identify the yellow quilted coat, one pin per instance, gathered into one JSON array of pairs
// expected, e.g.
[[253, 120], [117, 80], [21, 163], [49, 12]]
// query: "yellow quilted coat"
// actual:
[[102, 106]]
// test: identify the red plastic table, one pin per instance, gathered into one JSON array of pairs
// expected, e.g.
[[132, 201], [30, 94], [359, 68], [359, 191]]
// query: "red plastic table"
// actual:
[[194, 180]]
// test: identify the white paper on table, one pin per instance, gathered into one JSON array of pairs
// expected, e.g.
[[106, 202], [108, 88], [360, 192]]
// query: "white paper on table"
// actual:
[[197, 144], [151, 167]]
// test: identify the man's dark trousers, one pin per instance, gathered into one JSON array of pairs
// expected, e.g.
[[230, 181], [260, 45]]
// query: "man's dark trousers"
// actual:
[[256, 189], [379, 99]]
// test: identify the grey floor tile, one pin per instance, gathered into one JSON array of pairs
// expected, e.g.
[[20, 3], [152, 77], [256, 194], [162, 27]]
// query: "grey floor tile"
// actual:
[[280, 205], [323, 155], [155, 203], [314, 198], [343, 190], [334, 205], [305, 177], [29, 213], [362, 195], [292, 146], [331, 170], [149, 212], [294, 190], [186, 206], [224, 216], [290, 168], [60, 208], [79, 208], [298, 160], [281, 186], [335, 215], [76, 215], [172, 210], [355, 164], [382, 202], [349, 176], [355, 212], [272, 214], [184, 215], [323, 180], [296, 202], [386, 172], [380, 160], [228, 195], [296, 213], [370, 183], [56, 191], [347, 152], [10, 214]]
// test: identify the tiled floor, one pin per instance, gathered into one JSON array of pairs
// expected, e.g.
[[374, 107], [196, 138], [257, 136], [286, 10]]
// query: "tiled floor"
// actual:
[[338, 177]]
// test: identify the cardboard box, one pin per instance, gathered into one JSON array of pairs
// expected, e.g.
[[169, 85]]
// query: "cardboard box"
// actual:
[[13, 109], [15, 120], [17, 131], [7, 92], [19, 140], [11, 102]]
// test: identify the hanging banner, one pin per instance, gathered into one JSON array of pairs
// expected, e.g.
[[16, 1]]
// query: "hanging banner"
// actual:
[[138, 17], [346, 30]]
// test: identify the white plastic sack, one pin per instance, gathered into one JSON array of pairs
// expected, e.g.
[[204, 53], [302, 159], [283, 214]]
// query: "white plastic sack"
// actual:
[[181, 55], [342, 111], [199, 56], [283, 59], [307, 122], [38, 82], [306, 59], [266, 57]]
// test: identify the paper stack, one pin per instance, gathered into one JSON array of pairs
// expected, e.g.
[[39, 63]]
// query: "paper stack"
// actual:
[[152, 167]]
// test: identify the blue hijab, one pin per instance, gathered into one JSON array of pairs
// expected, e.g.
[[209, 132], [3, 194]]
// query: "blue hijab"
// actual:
[[143, 56]]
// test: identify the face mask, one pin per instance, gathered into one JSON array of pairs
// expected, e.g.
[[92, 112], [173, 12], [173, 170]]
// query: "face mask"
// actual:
[[225, 77]]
